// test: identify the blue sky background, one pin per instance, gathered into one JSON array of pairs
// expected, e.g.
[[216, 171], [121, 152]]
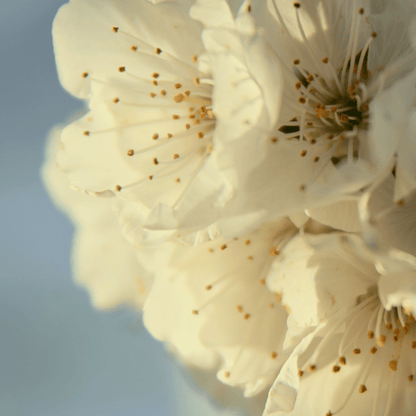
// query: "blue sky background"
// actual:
[[58, 356]]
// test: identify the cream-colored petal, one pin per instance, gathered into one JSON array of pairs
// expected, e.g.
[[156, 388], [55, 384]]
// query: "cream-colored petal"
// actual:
[[212, 13], [246, 71], [339, 215], [284, 391], [92, 161], [405, 169], [237, 98], [244, 22], [136, 146], [293, 189], [168, 317], [95, 37], [102, 260], [318, 275], [391, 21], [399, 290], [389, 225], [324, 23], [390, 123]]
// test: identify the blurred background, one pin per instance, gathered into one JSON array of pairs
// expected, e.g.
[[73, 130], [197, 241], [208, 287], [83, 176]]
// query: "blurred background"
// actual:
[[58, 356]]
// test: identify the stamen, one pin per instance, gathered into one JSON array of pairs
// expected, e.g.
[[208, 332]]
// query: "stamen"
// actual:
[[312, 54], [363, 55], [354, 50], [185, 190], [380, 342], [335, 77], [401, 317], [362, 389], [282, 22], [206, 81], [350, 43]]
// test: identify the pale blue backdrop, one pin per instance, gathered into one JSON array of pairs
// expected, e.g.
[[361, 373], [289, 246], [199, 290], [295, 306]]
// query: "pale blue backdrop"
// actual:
[[58, 356]]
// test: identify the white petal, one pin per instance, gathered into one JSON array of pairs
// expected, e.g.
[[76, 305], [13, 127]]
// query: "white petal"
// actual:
[[323, 22], [317, 276], [399, 290], [247, 75], [212, 13], [236, 96], [405, 169], [167, 316], [132, 218], [244, 22], [389, 122], [391, 21], [283, 393], [387, 225], [93, 163], [339, 215], [310, 184], [84, 40]]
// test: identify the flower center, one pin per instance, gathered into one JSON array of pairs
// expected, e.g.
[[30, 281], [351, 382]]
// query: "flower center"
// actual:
[[331, 98], [163, 119], [327, 108], [179, 152]]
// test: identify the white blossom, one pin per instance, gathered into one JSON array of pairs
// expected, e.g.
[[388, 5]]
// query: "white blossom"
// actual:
[[321, 140], [147, 138], [210, 304], [250, 179], [357, 357]]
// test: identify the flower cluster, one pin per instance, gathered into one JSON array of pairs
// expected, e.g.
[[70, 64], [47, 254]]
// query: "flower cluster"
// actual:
[[248, 180]]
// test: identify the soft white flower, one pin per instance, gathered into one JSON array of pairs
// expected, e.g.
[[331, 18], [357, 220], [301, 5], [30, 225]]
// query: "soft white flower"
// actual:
[[331, 63], [211, 306], [103, 261], [147, 138], [229, 138], [358, 357]]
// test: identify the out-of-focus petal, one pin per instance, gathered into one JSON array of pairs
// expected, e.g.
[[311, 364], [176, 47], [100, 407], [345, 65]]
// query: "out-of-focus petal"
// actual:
[[103, 261]]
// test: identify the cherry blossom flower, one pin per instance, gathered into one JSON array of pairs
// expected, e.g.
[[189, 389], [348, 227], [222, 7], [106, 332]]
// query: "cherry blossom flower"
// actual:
[[248, 179], [147, 138], [211, 306], [331, 61], [355, 331]]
